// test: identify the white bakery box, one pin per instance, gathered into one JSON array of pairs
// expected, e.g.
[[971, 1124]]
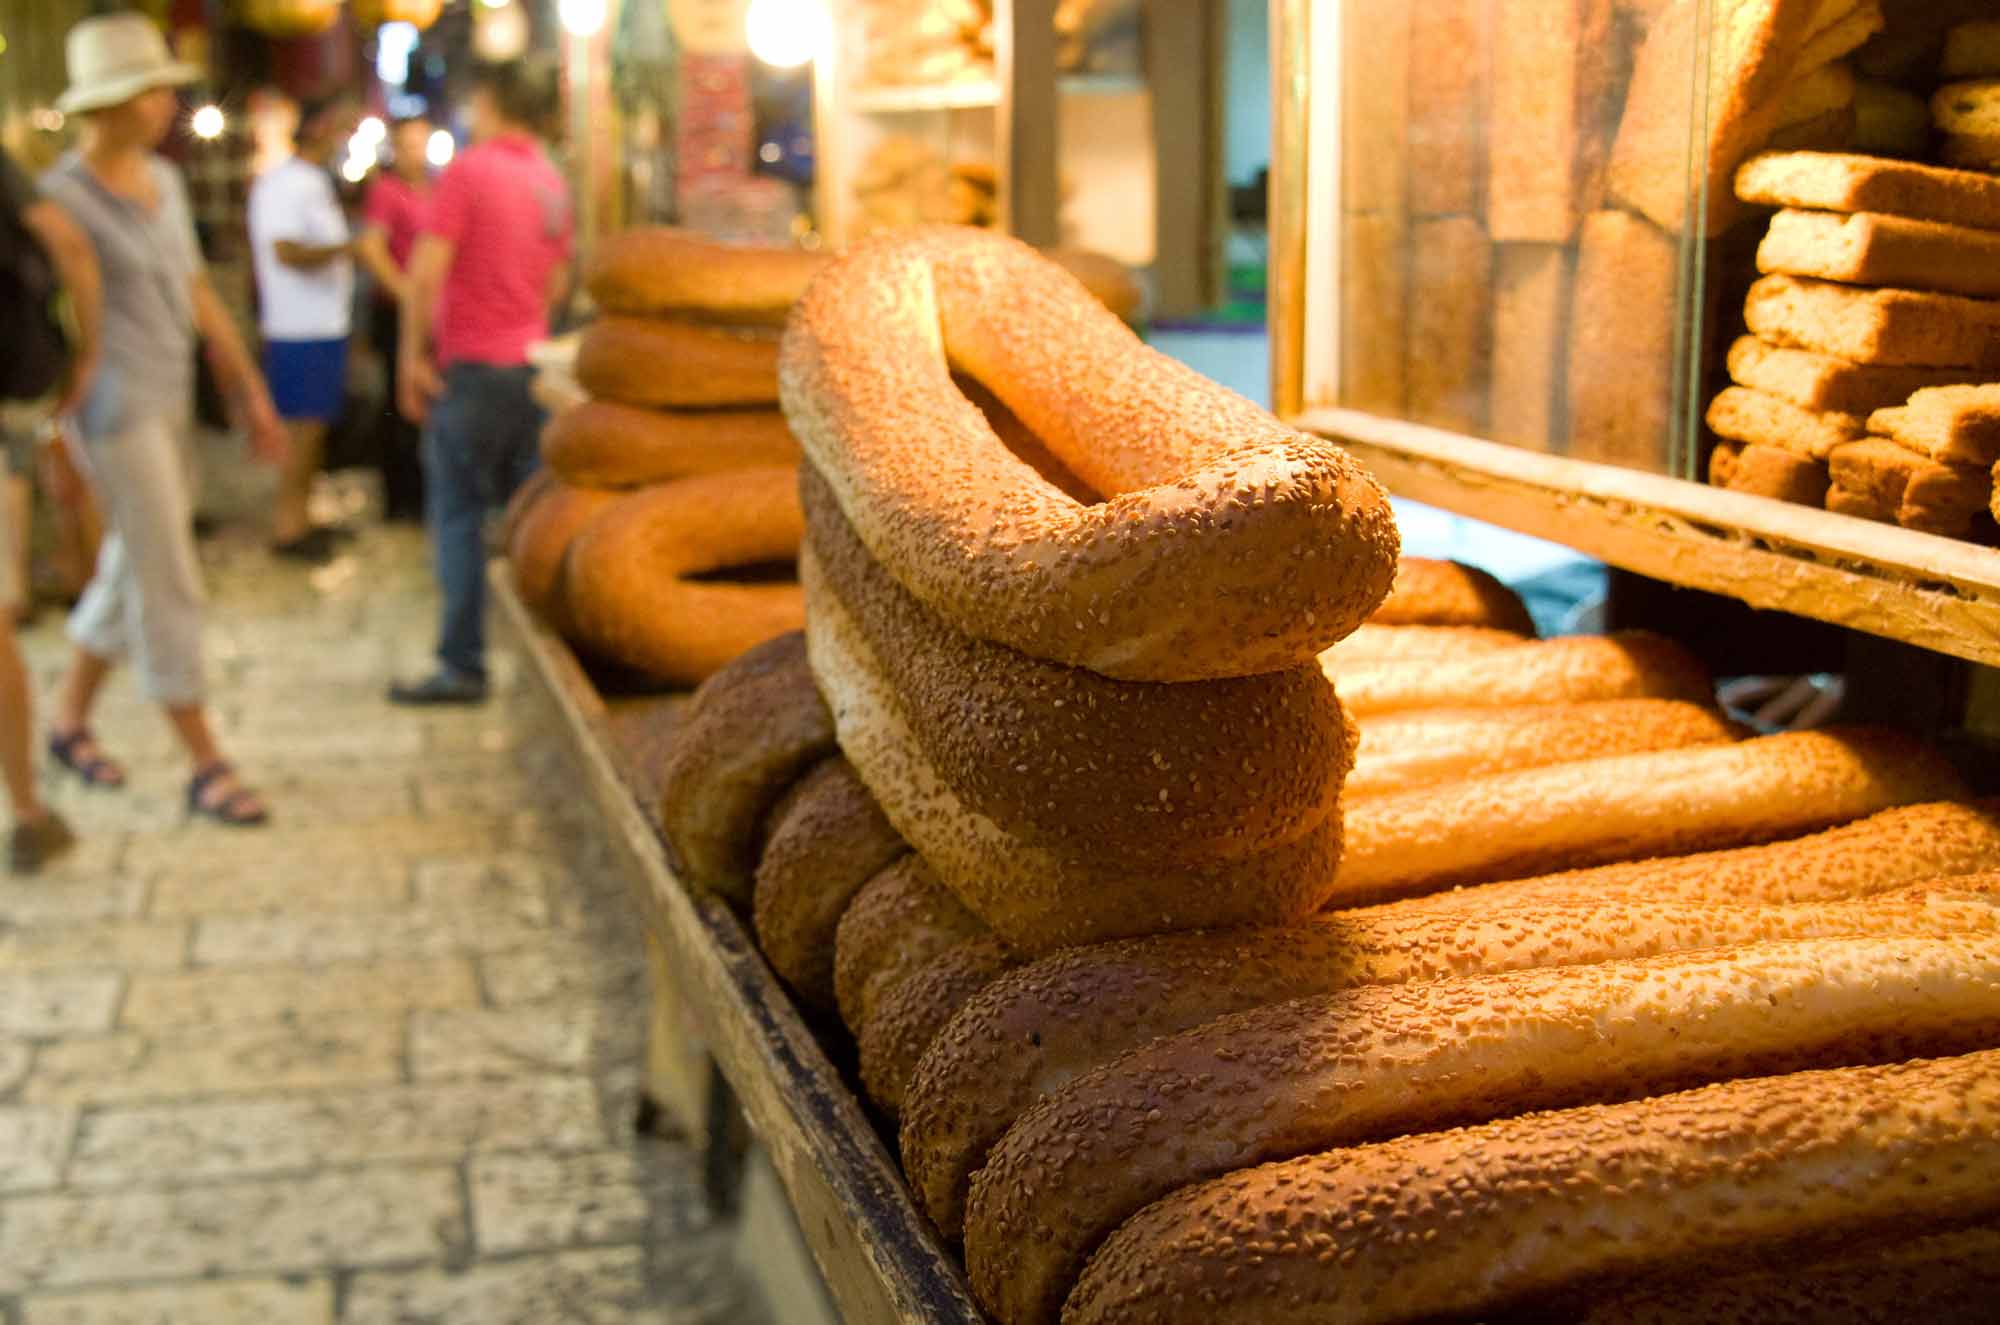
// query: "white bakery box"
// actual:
[[1509, 268]]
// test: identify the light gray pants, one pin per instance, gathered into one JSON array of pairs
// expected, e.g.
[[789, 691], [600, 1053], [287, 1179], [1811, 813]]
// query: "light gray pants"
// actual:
[[145, 598]]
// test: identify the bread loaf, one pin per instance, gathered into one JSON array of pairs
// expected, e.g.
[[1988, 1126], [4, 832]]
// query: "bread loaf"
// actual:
[[1431, 592], [601, 444], [1041, 1027], [1374, 310], [1958, 424], [1450, 350], [1317, 1073], [1751, 417], [1448, 109], [1825, 384], [1596, 811], [901, 918], [1371, 646], [1629, 665], [1552, 67], [542, 536], [1769, 471], [1877, 326], [1621, 340], [1871, 249], [658, 270], [1531, 301], [680, 365], [910, 1014], [1467, 1223], [1846, 182], [748, 733], [827, 838], [1399, 751]]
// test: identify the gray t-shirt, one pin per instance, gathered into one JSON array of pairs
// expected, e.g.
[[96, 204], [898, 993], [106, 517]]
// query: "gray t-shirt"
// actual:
[[149, 259]]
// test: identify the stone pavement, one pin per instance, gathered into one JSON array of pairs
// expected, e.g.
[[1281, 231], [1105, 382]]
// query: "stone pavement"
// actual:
[[375, 1064]]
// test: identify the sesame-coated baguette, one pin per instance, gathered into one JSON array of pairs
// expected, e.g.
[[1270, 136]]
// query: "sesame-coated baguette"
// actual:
[[1946, 1279], [1371, 645], [1228, 544], [910, 1014], [1403, 750], [1595, 811], [1042, 1026], [1628, 665], [1475, 1220], [1338, 1070], [1933, 840], [749, 732], [827, 838], [899, 920]]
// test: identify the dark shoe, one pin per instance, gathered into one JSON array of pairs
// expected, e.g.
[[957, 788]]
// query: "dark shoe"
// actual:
[[239, 809], [443, 686], [79, 752], [316, 546], [34, 845]]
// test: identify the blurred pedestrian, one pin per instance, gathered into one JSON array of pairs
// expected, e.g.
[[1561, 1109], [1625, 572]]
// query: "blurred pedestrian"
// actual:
[[145, 599], [303, 254], [392, 217], [492, 262], [51, 306]]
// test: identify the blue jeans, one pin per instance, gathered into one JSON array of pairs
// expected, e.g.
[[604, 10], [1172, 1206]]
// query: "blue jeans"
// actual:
[[481, 442]]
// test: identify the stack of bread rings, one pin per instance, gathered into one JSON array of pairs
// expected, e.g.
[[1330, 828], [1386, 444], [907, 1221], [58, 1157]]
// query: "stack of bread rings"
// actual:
[[1516, 980], [663, 535]]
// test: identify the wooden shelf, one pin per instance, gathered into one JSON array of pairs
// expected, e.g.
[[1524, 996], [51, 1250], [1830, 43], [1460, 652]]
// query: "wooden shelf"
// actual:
[[878, 1256], [1937, 593]]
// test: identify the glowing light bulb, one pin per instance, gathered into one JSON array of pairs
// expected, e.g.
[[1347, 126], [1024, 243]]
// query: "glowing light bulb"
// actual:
[[581, 18], [355, 169], [441, 148], [208, 123], [371, 131], [786, 33]]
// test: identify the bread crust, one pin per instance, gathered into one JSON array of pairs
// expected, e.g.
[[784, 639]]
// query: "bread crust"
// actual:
[[1373, 645], [602, 444], [659, 270], [657, 363], [1052, 1021], [1825, 384], [1507, 1213], [1959, 424], [1595, 811], [1873, 249], [1228, 545], [1848, 182], [909, 1016], [1432, 592], [826, 839], [1753, 418], [543, 532], [748, 733], [1627, 665], [1310, 1075], [627, 581], [901, 918]]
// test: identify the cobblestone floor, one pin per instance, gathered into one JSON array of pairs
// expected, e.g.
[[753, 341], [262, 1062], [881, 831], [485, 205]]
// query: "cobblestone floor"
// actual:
[[374, 1064]]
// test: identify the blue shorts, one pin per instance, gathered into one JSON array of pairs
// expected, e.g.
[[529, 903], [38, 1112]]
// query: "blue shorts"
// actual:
[[308, 377]]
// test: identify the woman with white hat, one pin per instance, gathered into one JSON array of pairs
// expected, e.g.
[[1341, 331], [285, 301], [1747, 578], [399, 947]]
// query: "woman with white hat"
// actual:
[[145, 601]]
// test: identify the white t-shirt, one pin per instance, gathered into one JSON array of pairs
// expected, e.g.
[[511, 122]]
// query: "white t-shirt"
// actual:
[[295, 201]]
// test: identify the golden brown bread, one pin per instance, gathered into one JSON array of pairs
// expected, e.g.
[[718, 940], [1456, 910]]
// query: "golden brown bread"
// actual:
[[1848, 182], [910, 1015], [531, 491], [1039, 897], [899, 920], [1229, 544], [1913, 327], [748, 733], [681, 365], [1450, 347], [1403, 750], [1374, 299], [543, 532], [1946, 1279], [1531, 302], [1371, 646], [1431, 592], [629, 580], [1621, 341], [826, 839], [1553, 63], [1596, 811], [1768, 471], [602, 444], [1628, 665], [1310, 1075], [1931, 840], [1480, 1219], [1043, 1026], [658, 270], [1823, 383], [1872, 249]]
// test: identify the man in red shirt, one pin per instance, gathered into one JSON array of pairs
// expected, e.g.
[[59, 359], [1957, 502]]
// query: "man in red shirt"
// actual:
[[392, 217], [490, 263]]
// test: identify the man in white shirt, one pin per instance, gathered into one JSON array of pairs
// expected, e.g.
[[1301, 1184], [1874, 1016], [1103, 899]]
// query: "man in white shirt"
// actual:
[[302, 250]]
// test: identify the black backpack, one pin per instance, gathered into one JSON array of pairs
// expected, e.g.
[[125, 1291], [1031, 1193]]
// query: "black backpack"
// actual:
[[31, 300]]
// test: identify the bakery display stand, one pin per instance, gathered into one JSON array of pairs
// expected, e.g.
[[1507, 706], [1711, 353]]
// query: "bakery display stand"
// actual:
[[878, 1258]]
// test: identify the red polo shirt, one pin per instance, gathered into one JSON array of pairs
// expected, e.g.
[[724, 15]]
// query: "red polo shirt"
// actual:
[[397, 208], [505, 210]]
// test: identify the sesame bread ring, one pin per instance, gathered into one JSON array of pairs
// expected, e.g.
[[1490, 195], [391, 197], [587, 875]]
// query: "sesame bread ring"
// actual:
[[1039, 896], [682, 365], [1473, 1223], [827, 838], [911, 1014], [1227, 544], [542, 534], [602, 444], [660, 270], [747, 735], [899, 920], [629, 580]]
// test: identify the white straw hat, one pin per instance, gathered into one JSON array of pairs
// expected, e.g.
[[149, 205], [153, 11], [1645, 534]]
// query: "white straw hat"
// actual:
[[114, 58]]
